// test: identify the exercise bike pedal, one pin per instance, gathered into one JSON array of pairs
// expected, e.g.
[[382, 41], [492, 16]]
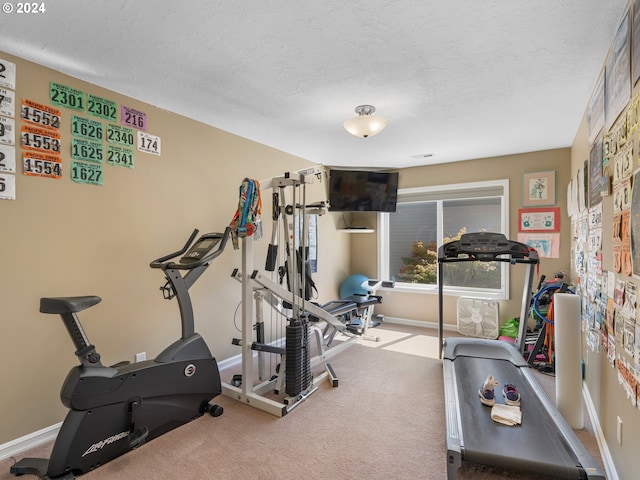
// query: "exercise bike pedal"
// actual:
[[137, 438], [30, 466]]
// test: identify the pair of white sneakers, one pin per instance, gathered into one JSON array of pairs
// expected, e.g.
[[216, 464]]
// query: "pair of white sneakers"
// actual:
[[488, 396]]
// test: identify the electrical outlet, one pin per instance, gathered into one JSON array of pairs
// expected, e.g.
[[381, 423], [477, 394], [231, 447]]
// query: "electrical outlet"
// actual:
[[619, 431], [141, 357]]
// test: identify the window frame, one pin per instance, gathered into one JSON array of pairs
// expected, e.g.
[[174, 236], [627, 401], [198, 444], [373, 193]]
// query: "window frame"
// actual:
[[383, 238]]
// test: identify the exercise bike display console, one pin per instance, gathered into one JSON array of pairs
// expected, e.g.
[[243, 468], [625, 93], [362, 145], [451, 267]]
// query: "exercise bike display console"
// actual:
[[113, 410], [203, 247]]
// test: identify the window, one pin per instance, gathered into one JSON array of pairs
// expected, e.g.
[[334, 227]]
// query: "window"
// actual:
[[428, 217]]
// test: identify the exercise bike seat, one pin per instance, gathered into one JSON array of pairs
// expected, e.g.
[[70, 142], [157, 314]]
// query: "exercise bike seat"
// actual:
[[61, 305]]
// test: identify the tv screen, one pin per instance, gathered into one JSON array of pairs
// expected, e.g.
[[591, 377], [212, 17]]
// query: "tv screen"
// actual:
[[362, 191]]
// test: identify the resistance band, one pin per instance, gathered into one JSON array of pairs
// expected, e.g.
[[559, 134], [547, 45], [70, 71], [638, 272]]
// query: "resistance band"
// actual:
[[246, 220]]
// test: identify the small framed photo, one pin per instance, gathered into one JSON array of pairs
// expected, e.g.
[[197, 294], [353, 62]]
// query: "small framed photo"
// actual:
[[539, 189], [539, 220]]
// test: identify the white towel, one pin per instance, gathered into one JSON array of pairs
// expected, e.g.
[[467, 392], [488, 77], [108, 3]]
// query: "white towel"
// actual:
[[506, 414]]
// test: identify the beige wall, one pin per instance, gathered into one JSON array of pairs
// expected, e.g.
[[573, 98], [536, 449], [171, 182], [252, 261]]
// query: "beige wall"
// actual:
[[424, 307], [60, 238]]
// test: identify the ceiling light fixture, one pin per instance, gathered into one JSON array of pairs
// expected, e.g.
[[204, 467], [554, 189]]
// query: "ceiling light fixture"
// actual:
[[365, 124]]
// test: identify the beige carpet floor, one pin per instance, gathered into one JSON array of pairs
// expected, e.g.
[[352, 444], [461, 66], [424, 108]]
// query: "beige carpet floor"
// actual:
[[384, 421]]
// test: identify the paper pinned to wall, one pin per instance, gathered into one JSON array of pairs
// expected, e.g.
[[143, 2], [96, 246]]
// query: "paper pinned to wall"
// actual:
[[546, 244]]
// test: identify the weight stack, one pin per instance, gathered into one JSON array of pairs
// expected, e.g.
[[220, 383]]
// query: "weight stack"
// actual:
[[298, 365]]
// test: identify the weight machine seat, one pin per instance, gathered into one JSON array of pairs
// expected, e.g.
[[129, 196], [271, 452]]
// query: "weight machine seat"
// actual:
[[337, 308], [349, 306], [61, 305], [544, 443], [364, 300]]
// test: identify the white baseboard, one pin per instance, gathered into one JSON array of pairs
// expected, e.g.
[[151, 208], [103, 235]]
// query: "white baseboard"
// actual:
[[15, 447], [607, 460], [230, 362], [32, 440], [418, 323]]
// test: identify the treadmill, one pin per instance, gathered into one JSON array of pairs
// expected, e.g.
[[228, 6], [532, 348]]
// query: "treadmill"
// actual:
[[544, 443]]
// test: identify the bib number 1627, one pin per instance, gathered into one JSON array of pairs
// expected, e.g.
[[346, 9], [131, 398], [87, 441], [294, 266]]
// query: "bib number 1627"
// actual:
[[90, 173]]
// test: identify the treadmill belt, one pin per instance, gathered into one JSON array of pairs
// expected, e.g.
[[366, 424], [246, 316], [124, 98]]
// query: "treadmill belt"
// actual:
[[535, 445]]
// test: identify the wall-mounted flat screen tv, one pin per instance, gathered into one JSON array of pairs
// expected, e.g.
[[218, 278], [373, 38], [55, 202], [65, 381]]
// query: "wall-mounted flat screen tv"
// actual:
[[362, 191]]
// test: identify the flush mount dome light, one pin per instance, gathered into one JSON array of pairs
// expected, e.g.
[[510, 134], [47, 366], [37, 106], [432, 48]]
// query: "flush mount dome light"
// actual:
[[366, 124]]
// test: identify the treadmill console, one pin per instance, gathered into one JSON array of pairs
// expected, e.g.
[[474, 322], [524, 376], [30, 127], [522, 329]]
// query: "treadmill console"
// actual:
[[485, 246], [203, 247]]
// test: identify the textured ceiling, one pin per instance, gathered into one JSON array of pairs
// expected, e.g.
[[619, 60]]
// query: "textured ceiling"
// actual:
[[457, 79]]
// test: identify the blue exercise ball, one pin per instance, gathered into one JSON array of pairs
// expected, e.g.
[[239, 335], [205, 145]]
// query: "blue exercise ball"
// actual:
[[354, 285]]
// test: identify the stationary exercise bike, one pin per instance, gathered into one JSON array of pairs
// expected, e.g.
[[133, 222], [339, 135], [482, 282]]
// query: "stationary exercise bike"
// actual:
[[116, 409]]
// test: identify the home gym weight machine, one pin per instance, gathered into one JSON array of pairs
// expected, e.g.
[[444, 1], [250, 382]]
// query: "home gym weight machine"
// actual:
[[305, 319], [113, 410], [544, 443]]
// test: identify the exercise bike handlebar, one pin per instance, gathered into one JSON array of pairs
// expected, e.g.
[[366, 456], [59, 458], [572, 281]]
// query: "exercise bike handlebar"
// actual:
[[161, 262]]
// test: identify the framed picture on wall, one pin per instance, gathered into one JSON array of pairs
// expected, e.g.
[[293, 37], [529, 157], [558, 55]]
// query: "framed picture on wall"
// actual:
[[635, 39], [617, 81], [595, 173], [539, 219], [634, 222], [595, 109], [539, 189]]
